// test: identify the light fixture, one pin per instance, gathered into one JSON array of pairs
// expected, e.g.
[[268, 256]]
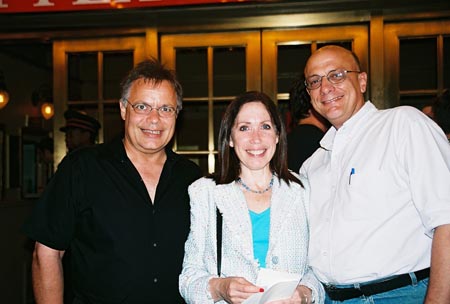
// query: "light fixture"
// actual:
[[4, 95], [47, 110], [43, 97]]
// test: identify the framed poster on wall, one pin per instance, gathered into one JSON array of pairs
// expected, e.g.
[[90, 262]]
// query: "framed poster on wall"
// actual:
[[34, 172]]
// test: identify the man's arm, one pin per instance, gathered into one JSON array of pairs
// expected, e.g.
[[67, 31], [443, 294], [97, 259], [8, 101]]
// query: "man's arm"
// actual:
[[438, 288], [48, 282]]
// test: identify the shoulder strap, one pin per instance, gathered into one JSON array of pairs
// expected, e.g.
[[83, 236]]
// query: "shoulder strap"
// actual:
[[219, 240]]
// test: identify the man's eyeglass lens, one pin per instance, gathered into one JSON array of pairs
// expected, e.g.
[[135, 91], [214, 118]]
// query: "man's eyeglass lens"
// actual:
[[143, 108], [334, 76]]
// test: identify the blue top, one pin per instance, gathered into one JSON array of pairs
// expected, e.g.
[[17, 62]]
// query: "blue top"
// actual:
[[260, 233]]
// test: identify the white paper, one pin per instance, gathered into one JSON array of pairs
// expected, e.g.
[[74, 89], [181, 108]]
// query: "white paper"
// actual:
[[277, 286]]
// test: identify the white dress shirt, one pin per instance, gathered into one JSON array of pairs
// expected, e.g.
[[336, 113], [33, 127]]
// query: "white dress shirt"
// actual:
[[379, 186], [288, 237]]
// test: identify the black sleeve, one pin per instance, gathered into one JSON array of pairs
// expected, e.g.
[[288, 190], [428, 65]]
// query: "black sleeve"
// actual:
[[52, 220]]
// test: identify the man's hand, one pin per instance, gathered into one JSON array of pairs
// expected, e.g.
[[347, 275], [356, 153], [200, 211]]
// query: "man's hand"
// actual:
[[302, 295]]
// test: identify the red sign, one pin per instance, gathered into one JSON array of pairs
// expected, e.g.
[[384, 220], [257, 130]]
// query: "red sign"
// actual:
[[36, 6]]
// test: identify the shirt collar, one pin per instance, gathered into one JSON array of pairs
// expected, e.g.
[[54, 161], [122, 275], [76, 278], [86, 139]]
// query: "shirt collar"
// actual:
[[117, 151], [348, 126]]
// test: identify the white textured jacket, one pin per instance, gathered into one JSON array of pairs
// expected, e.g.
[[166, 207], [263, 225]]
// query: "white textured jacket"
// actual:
[[288, 239]]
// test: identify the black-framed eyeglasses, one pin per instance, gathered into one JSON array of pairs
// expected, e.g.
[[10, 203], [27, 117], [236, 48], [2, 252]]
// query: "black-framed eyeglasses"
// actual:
[[335, 76], [144, 109]]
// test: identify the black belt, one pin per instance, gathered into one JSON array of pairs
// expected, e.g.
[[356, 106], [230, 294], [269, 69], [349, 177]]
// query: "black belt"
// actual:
[[342, 294]]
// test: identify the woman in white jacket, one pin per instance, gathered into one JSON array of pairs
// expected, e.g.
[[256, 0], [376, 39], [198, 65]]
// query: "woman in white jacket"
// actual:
[[264, 211]]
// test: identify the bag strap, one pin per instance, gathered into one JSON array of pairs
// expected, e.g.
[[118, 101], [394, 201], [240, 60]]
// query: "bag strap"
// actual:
[[219, 240]]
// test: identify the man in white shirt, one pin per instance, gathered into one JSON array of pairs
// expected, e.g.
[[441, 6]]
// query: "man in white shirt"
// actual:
[[380, 193]]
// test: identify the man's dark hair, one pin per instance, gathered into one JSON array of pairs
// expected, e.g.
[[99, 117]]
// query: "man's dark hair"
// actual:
[[153, 71]]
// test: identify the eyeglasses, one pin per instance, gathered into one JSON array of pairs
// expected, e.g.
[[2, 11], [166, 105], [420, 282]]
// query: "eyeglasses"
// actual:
[[335, 76], [144, 109]]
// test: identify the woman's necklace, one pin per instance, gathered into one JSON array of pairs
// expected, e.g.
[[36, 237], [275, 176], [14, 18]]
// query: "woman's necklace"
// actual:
[[239, 181]]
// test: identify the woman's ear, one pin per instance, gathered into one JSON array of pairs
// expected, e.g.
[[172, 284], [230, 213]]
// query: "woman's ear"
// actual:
[[231, 144]]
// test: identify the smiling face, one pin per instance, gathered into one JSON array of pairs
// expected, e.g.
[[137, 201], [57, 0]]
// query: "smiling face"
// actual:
[[254, 137], [148, 133], [336, 102]]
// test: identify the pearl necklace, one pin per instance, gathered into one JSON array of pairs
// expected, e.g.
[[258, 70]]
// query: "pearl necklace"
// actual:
[[239, 181]]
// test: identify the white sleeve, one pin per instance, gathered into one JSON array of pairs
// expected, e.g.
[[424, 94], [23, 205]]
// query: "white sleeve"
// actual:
[[424, 152], [195, 276]]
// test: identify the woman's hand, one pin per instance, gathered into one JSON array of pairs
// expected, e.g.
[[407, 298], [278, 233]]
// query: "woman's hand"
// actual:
[[232, 289], [302, 295]]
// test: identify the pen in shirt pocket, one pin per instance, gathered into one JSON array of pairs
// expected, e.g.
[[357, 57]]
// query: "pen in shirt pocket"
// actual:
[[352, 171]]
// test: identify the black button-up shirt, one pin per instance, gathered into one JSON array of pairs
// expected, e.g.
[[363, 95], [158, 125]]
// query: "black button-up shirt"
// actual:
[[124, 249]]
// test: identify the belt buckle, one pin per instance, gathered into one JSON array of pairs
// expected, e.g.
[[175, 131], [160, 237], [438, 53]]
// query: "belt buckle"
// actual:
[[341, 294]]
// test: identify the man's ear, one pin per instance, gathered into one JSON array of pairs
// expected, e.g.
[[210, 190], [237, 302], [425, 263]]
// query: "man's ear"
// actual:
[[123, 109], [362, 78]]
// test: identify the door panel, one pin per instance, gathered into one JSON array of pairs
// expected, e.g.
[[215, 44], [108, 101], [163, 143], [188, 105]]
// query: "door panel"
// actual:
[[212, 68], [416, 62], [298, 42], [285, 53], [87, 75]]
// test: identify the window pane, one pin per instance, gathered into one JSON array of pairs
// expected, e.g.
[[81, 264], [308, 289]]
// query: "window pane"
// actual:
[[291, 63], [418, 101], [201, 161], [447, 62], [418, 64], [112, 122], [115, 67], [192, 71], [192, 127], [229, 71], [82, 73]]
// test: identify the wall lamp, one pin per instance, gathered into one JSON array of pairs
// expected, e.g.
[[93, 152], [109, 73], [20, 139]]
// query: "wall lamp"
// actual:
[[4, 95], [43, 97]]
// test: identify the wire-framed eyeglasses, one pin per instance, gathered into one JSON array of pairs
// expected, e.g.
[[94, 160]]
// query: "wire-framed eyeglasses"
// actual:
[[335, 76], [144, 109]]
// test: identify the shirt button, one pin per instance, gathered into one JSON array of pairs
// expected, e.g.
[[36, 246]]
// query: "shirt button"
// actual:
[[155, 280], [154, 245], [275, 260]]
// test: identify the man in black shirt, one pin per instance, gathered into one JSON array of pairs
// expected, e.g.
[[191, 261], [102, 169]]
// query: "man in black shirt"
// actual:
[[121, 208]]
